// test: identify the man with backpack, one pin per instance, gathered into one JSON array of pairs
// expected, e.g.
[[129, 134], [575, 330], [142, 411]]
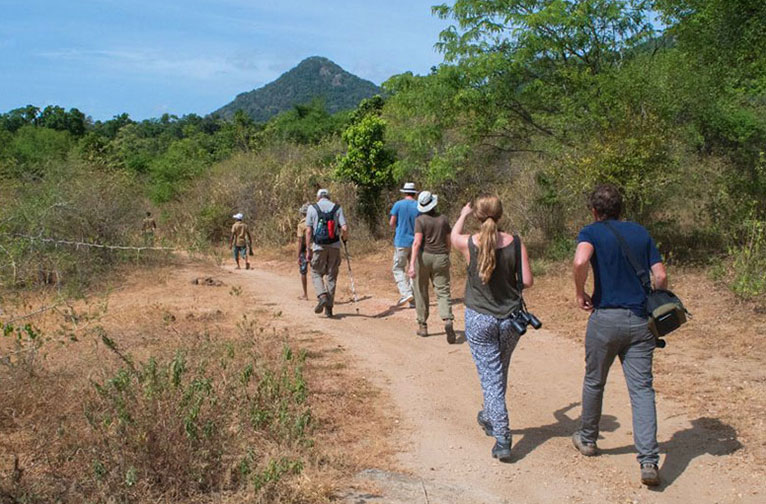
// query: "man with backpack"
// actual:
[[325, 228], [618, 325]]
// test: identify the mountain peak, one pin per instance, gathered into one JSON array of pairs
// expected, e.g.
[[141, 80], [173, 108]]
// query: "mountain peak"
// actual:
[[314, 77]]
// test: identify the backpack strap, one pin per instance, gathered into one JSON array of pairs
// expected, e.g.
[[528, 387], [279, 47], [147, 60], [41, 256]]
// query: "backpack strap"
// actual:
[[326, 215], [643, 275], [519, 272]]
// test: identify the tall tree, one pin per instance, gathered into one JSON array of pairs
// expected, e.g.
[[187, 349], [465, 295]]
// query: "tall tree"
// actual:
[[368, 161]]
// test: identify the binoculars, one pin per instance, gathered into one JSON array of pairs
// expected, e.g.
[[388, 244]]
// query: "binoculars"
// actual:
[[520, 320]]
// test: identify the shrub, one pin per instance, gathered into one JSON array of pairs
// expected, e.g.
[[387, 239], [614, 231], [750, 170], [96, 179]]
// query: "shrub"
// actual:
[[749, 262]]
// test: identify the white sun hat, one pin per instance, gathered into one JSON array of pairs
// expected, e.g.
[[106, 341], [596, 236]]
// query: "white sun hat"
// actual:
[[427, 201], [409, 188], [238, 216]]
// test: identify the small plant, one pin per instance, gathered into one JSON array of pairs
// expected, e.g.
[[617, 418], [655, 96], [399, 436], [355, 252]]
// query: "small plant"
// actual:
[[235, 290], [749, 262], [27, 340]]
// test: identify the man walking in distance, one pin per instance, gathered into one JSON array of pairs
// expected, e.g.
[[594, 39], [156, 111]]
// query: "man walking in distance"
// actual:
[[303, 263], [240, 240], [403, 215], [322, 222], [430, 264], [148, 227], [618, 325]]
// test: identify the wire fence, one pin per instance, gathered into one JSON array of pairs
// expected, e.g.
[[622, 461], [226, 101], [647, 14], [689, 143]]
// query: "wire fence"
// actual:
[[71, 243], [78, 244]]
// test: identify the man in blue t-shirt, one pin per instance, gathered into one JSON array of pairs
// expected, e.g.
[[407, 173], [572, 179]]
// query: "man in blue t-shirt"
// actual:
[[618, 324], [403, 215]]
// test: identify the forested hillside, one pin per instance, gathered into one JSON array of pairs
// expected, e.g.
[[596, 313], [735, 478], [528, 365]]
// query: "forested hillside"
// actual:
[[314, 78], [535, 101]]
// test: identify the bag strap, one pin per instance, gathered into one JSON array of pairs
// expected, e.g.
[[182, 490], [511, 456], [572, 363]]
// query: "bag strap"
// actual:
[[326, 215], [643, 275], [519, 273]]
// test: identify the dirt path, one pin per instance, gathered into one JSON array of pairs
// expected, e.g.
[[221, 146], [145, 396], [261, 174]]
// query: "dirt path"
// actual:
[[436, 393]]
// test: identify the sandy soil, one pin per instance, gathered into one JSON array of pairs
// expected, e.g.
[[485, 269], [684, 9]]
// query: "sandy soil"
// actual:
[[435, 391]]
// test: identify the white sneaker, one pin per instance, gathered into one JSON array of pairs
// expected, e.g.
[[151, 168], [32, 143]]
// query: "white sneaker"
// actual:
[[405, 299]]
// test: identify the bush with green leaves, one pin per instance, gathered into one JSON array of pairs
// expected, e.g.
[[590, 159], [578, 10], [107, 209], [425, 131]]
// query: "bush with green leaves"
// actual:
[[368, 161]]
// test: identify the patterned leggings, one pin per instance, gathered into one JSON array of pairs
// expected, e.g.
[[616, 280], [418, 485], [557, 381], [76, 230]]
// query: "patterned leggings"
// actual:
[[492, 342]]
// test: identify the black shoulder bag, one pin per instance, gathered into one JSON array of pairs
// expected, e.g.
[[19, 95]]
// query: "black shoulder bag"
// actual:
[[665, 310]]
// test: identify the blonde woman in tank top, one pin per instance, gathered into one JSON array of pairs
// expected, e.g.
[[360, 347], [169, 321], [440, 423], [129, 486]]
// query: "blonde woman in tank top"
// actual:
[[491, 297]]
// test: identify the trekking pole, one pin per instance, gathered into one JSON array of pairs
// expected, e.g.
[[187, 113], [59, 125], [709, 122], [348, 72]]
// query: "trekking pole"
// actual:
[[351, 276]]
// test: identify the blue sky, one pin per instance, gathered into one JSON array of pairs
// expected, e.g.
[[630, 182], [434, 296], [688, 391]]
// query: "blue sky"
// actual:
[[147, 57]]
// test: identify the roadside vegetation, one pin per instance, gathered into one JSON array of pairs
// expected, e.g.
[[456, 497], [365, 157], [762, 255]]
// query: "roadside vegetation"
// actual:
[[665, 99]]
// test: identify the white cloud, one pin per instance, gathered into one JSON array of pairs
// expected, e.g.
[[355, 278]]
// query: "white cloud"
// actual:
[[152, 63]]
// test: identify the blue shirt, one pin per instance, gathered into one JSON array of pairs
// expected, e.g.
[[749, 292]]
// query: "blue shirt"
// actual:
[[616, 284], [405, 211]]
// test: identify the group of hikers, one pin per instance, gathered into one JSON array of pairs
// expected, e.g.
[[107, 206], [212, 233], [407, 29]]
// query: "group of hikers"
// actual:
[[618, 323]]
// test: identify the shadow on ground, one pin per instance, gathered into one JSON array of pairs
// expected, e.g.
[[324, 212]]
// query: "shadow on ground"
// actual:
[[706, 436], [564, 426]]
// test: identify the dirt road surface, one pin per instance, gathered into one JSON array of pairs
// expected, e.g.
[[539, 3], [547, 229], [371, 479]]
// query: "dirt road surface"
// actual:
[[436, 394], [432, 394]]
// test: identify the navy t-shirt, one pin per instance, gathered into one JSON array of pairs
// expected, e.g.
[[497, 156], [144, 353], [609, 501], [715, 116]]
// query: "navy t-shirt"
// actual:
[[616, 284]]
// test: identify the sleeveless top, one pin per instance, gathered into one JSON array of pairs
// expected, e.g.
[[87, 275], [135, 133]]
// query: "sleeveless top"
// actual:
[[499, 297]]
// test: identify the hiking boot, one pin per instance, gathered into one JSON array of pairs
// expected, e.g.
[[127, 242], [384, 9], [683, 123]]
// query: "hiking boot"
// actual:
[[422, 330], [321, 303], [412, 304], [405, 299], [451, 336], [484, 423], [328, 311], [650, 475], [586, 448], [502, 450]]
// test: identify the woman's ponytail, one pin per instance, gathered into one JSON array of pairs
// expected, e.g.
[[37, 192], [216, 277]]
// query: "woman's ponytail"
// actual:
[[488, 210], [487, 245]]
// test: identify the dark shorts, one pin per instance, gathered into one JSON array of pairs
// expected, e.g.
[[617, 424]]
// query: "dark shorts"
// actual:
[[240, 250], [303, 264]]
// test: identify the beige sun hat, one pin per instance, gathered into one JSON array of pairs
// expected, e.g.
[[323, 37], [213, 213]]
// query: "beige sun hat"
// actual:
[[427, 201]]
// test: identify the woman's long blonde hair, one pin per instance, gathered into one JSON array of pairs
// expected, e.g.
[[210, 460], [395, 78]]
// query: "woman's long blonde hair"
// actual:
[[488, 210]]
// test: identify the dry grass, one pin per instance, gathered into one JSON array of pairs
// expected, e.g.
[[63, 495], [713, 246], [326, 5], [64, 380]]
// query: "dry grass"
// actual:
[[213, 436]]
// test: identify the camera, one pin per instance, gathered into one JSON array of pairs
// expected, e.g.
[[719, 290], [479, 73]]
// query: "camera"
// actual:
[[521, 319]]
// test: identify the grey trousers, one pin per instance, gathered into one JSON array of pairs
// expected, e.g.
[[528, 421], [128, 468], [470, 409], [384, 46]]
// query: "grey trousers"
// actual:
[[401, 264], [324, 272], [611, 333]]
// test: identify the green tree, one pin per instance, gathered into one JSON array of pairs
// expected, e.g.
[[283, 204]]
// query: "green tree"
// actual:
[[532, 64], [368, 161]]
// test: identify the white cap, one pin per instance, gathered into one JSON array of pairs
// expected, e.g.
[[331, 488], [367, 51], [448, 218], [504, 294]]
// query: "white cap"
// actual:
[[238, 216], [323, 193]]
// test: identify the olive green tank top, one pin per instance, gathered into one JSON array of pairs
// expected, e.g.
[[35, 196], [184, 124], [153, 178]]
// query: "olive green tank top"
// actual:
[[499, 297]]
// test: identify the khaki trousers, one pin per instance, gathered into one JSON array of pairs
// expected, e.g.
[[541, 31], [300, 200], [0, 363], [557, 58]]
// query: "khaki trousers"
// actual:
[[432, 268], [324, 272], [401, 263]]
